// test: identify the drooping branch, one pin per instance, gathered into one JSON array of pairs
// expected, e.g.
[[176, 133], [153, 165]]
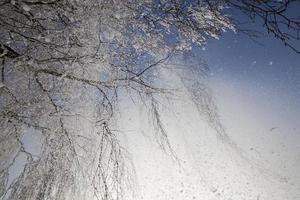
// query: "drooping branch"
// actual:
[[281, 19]]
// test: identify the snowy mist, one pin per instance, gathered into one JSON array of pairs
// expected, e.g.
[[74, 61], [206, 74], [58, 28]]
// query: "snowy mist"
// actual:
[[149, 100], [259, 161]]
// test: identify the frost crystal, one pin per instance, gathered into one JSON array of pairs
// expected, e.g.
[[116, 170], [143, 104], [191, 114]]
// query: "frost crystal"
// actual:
[[26, 7], [47, 40], [62, 76]]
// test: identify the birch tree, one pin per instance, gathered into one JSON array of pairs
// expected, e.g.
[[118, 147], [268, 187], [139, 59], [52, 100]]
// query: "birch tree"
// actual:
[[64, 64]]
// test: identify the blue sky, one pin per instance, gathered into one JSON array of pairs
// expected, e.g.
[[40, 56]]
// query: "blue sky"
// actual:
[[267, 66], [266, 72]]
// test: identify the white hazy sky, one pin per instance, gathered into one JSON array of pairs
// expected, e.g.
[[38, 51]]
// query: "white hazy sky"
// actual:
[[265, 124], [264, 164]]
